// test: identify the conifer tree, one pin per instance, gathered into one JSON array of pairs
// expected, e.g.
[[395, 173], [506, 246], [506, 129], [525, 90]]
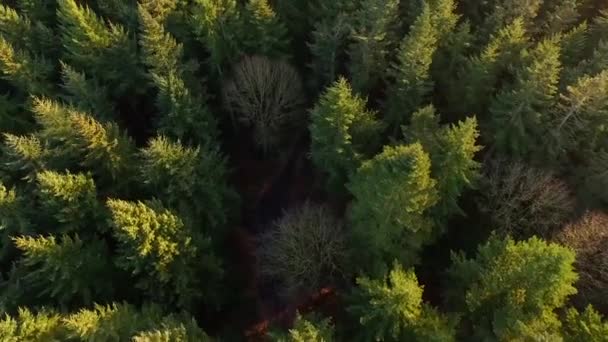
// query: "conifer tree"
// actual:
[[190, 180], [505, 12], [573, 46], [123, 12], [342, 131], [166, 257], [308, 328], [586, 326], [393, 194], [480, 77], [519, 112], [391, 309], [411, 73], [22, 158], [452, 150], [327, 47], [42, 326], [103, 50], [184, 114], [218, 26], [86, 94], [556, 16], [371, 35], [68, 271], [71, 201], [22, 34], [12, 118], [510, 289], [265, 34], [43, 11], [15, 219], [28, 73]]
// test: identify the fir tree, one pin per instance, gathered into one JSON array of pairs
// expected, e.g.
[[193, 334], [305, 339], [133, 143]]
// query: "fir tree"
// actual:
[[22, 158], [12, 118], [27, 73], [103, 50], [452, 150], [43, 11], [191, 180], [510, 289], [411, 74], [519, 112], [70, 200], [164, 255], [67, 271], [327, 48], [184, 114], [42, 326], [556, 16], [505, 12], [393, 194], [22, 34], [15, 219], [308, 328], [371, 37], [265, 34], [218, 26], [391, 309], [586, 326], [342, 131], [86, 94], [573, 45]]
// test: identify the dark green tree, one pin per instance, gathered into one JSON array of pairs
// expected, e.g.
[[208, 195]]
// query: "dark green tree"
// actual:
[[32, 37], [28, 73], [264, 33]]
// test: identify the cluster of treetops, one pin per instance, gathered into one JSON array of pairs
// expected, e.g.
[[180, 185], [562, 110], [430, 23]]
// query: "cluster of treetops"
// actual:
[[115, 194]]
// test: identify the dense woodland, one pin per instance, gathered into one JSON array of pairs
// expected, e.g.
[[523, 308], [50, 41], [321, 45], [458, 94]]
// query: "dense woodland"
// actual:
[[303, 170]]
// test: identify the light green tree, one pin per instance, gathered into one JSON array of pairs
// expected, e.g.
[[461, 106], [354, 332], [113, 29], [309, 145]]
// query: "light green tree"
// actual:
[[586, 326]]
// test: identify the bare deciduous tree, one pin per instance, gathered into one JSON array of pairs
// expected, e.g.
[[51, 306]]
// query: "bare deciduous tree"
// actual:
[[523, 201], [267, 96], [304, 249], [589, 238]]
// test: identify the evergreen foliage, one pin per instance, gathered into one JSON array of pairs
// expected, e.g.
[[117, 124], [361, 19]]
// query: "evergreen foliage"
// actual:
[[308, 328], [393, 194], [342, 131], [586, 326]]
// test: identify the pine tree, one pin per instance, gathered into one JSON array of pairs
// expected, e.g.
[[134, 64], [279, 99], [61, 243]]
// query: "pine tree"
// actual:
[[68, 271], [42, 326], [342, 130], [218, 26], [29, 74], [452, 150], [510, 289], [411, 74], [519, 112], [190, 180], [480, 77], [71, 201], [166, 257], [393, 193], [586, 326], [371, 39], [265, 34], [391, 309], [86, 94], [184, 114], [104, 51]]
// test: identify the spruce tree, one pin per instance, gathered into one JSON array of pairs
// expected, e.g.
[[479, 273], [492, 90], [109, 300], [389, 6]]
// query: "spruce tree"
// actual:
[[15, 219], [264, 32], [452, 149], [70, 201], [573, 46], [556, 16], [307, 328], [103, 50], [586, 326], [68, 271], [168, 259], [86, 94], [22, 158], [12, 118], [505, 12], [393, 194], [190, 180], [42, 326], [342, 131], [43, 11], [23, 34], [29, 74], [327, 47], [184, 114], [481, 75], [411, 73], [391, 309], [371, 36], [510, 289], [520, 112]]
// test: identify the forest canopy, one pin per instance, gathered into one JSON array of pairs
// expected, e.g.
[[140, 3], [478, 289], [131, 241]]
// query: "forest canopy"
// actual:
[[303, 170]]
